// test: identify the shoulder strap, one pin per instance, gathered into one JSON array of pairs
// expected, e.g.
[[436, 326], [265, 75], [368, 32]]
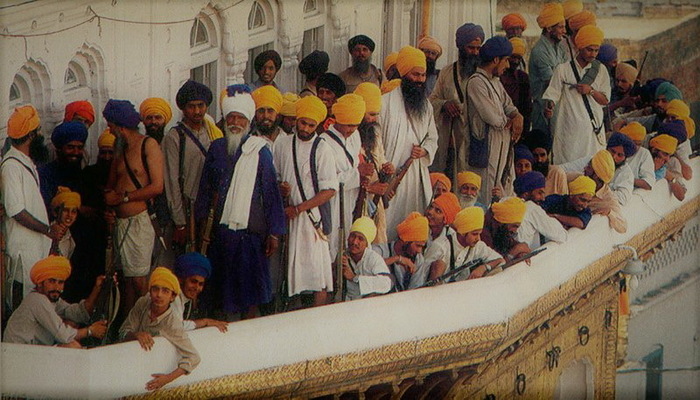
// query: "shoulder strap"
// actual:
[[25, 167], [180, 127], [485, 78], [342, 145], [452, 251], [314, 173], [455, 67], [143, 161], [596, 129]]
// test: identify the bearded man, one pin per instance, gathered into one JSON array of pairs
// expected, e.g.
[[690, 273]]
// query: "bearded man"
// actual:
[[268, 103], [69, 140], [155, 115], [361, 48], [433, 51]]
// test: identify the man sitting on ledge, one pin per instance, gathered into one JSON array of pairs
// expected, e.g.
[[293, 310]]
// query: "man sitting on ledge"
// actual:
[[572, 210]]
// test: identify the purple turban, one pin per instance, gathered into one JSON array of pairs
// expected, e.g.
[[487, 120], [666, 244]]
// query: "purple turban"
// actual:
[[190, 264], [193, 91], [521, 152], [361, 39], [619, 139], [467, 33], [674, 128], [68, 132], [607, 53], [121, 113], [528, 182], [497, 46], [331, 82]]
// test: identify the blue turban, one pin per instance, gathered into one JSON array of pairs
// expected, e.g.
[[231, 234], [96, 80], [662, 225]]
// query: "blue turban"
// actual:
[[192, 263], [232, 90], [522, 152], [68, 132], [331, 82], [538, 138], [468, 33], [669, 90], [122, 113], [528, 182], [607, 53], [497, 46], [674, 128], [619, 139], [193, 91], [360, 39]]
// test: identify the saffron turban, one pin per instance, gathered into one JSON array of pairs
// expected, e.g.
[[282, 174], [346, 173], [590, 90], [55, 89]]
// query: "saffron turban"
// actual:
[[618, 139], [360, 39], [289, 101], [589, 35], [509, 211], [635, 131], [311, 107], [414, 228], [388, 86], [56, 267], [521, 152], [572, 7], [626, 72], [469, 177], [670, 91], [193, 91], [365, 226], [241, 103], [390, 60], [607, 53], [679, 109], [497, 46], [156, 106], [528, 182], [674, 128], [665, 143], [436, 177], [603, 165], [267, 96], [190, 264], [519, 46], [82, 108], [513, 20], [121, 113], [106, 139], [468, 33], [468, 220], [68, 132], [22, 121], [65, 196], [372, 96], [331, 82], [409, 58], [581, 185], [550, 15], [449, 204], [349, 109], [538, 139], [164, 278], [315, 63], [579, 20], [266, 56], [429, 43]]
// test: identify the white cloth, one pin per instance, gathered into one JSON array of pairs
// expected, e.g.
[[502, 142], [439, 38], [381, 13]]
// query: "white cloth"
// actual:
[[462, 255], [386, 250], [372, 274], [180, 304], [621, 184], [236, 211], [536, 222], [573, 132], [66, 245], [401, 132], [309, 256], [642, 165]]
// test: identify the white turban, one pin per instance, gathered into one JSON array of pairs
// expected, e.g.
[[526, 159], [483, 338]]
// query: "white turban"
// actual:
[[241, 103]]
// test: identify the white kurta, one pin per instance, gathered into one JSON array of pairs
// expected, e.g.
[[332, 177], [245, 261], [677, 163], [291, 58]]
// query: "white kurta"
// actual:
[[402, 279], [309, 260], [642, 165], [462, 255], [536, 222], [621, 184], [401, 132], [373, 276], [573, 132]]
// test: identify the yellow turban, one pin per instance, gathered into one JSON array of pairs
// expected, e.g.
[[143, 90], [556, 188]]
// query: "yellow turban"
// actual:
[[665, 143], [22, 121], [589, 35], [512, 20], [365, 226], [579, 20], [268, 97], [634, 130], [581, 185], [469, 219], [311, 107], [66, 197], [509, 211], [429, 43], [414, 228], [289, 104], [349, 109], [56, 267], [390, 60], [519, 46], [409, 58], [603, 165], [469, 177], [164, 278], [155, 105], [449, 204], [372, 95], [572, 7], [626, 72], [106, 139], [550, 15], [436, 177], [679, 109], [388, 86]]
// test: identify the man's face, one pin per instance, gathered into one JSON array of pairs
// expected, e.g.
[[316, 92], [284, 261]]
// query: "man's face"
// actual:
[[514, 60], [357, 243], [194, 111], [512, 229], [522, 166], [82, 120], [623, 85], [579, 202], [68, 215], [439, 189], [346, 130], [435, 216], [468, 189], [412, 249], [267, 72], [514, 31], [287, 122], [540, 154], [265, 117], [618, 155], [71, 152], [161, 296], [557, 31], [105, 153], [536, 195], [416, 75], [51, 288], [660, 103], [502, 65], [472, 48], [430, 55], [192, 286], [236, 122], [154, 123], [469, 239], [361, 53], [327, 97], [370, 118], [589, 53], [306, 128], [660, 158], [590, 172]]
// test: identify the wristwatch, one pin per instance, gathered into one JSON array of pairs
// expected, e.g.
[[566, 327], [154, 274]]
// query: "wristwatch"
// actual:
[[126, 197], [356, 279]]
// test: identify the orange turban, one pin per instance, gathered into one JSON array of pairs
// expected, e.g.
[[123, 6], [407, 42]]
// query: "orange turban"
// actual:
[[581, 185], [519, 46], [349, 109], [449, 204], [679, 109], [509, 211], [22, 121], [365, 226], [579, 20], [469, 219], [512, 20], [469, 177], [267, 97], [157, 106], [550, 15], [409, 58], [414, 228], [66, 197], [372, 95], [436, 177], [164, 278], [665, 143], [589, 35], [635, 131], [388, 86], [289, 108], [56, 267], [429, 43], [603, 165], [571, 7], [390, 60], [311, 107], [82, 108]]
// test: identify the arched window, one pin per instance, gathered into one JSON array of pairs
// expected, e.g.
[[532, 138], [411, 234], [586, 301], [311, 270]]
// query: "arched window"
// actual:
[[205, 52], [261, 23], [198, 33], [75, 77], [256, 18], [310, 7], [14, 93]]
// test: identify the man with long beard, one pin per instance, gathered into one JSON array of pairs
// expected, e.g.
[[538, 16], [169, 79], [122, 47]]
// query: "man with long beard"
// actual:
[[540, 145], [268, 102], [409, 133], [155, 115], [501, 225], [433, 51], [361, 48], [468, 187]]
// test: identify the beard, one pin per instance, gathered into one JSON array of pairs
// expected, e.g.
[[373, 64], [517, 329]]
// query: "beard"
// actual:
[[234, 136], [541, 167], [119, 145], [38, 151], [266, 130], [414, 98], [430, 66], [156, 132], [466, 200], [467, 64], [361, 66], [502, 239], [368, 135]]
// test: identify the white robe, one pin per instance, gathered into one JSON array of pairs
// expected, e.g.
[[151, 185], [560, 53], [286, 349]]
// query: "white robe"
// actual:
[[373, 276], [462, 255], [621, 184], [642, 165], [536, 222], [386, 250]]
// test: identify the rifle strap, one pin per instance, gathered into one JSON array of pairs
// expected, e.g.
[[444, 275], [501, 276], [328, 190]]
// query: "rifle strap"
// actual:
[[342, 146], [452, 251], [586, 102], [36, 179], [314, 174], [182, 129], [460, 94]]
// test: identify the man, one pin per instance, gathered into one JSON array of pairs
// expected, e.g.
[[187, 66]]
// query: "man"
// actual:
[[152, 316], [607, 55], [364, 270], [514, 25], [432, 49], [155, 115], [330, 88], [390, 67], [268, 103], [468, 187], [501, 224], [440, 213], [662, 93], [641, 163], [494, 122], [536, 223], [361, 48], [678, 113], [69, 140], [522, 159], [44, 318], [248, 214], [571, 210], [185, 148], [447, 99], [622, 101], [64, 209], [517, 83], [575, 23], [192, 271], [135, 177], [409, 133], [440, 183], [404, 256], [306, 169], [95, 176], [80, 111], [312, 67], [267, 64], [578, 123], [287, 117], [540, 145], [662, 147]]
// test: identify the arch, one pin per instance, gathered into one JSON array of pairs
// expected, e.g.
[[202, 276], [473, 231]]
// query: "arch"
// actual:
[[32, 85], [205, 50], [576, 381], [261, 17]]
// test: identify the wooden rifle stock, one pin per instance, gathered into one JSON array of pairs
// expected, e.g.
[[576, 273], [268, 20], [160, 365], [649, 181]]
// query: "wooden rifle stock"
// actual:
[[209, 224], [107, 304], [282, 298], [396, 180], [339, 279]]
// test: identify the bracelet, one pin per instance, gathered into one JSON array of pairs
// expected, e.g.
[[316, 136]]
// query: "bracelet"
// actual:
[[488, 268], [48, 230], [296, 210], [274, 237], [89, 332]]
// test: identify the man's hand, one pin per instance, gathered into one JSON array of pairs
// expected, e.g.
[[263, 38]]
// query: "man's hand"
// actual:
[[347, 271], [271, 244], [377, 188], [497, 192], [145, 340], [220, 325], [477, 272], [99, 329], [71, 345], [583, 88], [366, 169], [452, 109], [113, 198], [517, 127], [407, 264], [56, 231], [418, 152], [291, 212], [388, 168], [285, 189], [110, 216]]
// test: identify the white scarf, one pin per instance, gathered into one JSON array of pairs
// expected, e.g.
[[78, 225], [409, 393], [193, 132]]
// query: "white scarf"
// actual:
[[236, 210]]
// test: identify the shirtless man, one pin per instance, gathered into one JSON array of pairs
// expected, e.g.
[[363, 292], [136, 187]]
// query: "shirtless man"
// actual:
[[127, 194]]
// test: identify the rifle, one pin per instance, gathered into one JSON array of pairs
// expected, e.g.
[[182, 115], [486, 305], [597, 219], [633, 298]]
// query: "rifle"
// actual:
[[282, 298], [469, 265], [55, 250], [107, 304], [638, 79], [339, 279], [206, 232], [189, 216], [359, 208], [394, 183], [516, 260]]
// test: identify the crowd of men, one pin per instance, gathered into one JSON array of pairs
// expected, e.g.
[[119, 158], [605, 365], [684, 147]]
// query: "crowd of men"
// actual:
[[366, 182]]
